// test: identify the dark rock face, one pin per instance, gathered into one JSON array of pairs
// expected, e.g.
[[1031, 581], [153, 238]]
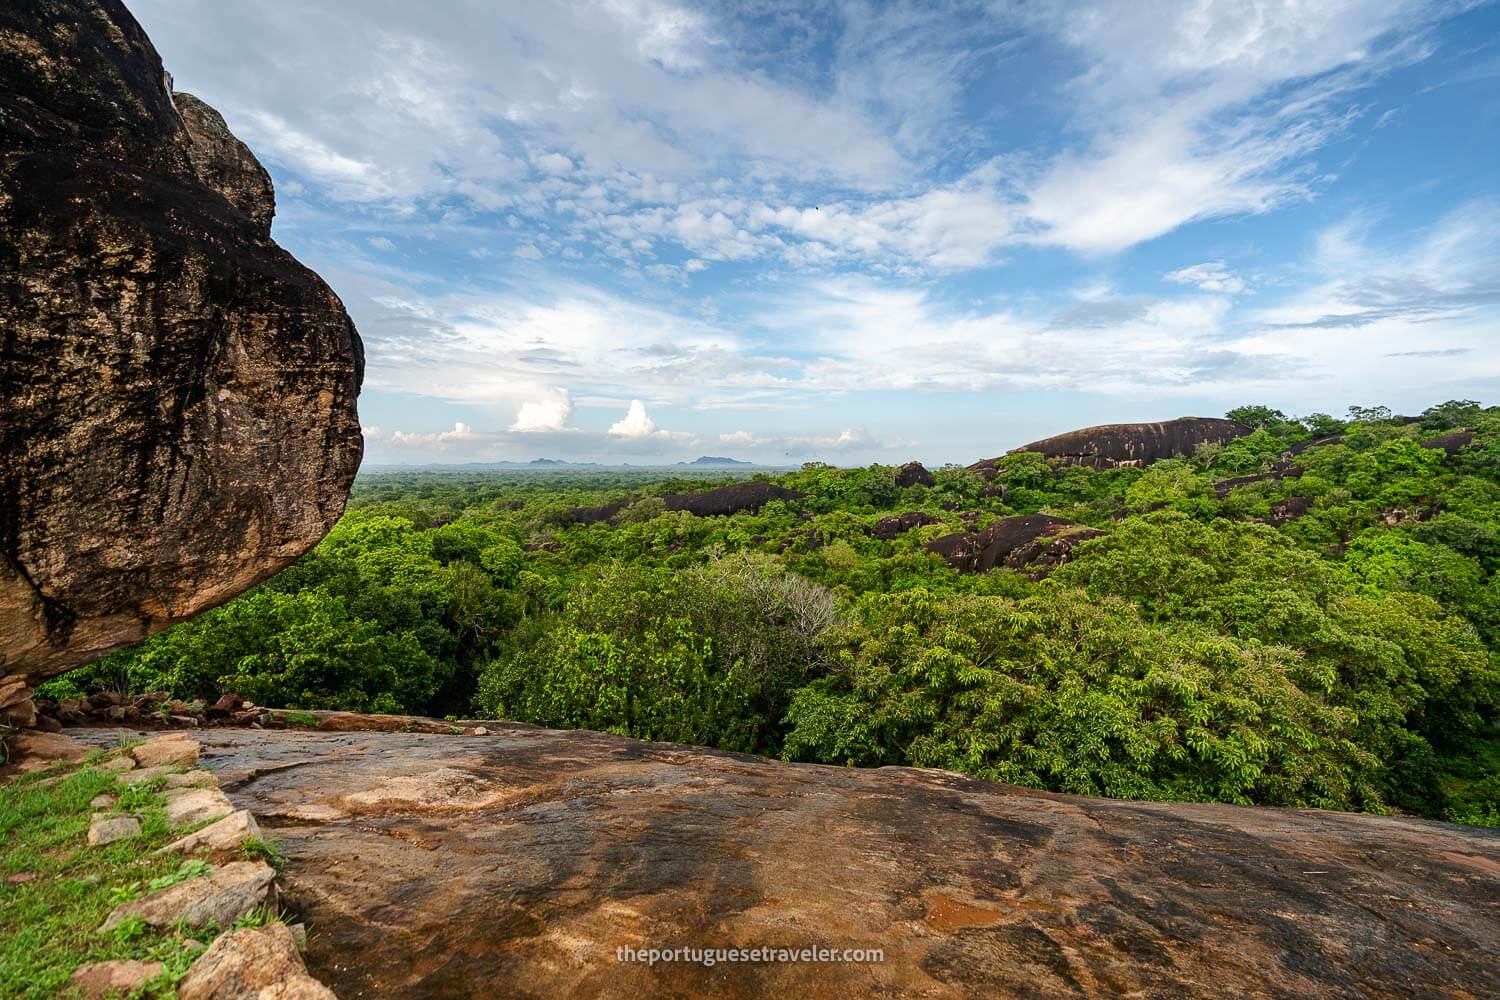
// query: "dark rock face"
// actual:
[[1450, 444], [518, 861], [1289, 509], [1112, 445], [719, 502], [1302, 446], [177, 393], [726, 500], [1224, 487], [224, 163], [1034, 542], [898, 524], [913, 474], [592, 515]]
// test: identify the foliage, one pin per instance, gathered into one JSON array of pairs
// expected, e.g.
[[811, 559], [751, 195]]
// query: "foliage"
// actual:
[[706, 656], [1306, 615]]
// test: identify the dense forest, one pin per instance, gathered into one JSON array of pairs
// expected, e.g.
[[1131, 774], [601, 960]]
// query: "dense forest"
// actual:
[[1308, 615]]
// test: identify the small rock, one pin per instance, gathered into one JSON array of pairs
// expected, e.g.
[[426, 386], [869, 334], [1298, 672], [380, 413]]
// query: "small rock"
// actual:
[[118, 764], [220, 898], [192, 779], [108, 829], [227, 704], [299, 934], [481, 731], [172, 748], [33, 751], [195, 805], [101, 801], [143, 774], [255, 963], [117, 978], [222, 837], [19, 878]]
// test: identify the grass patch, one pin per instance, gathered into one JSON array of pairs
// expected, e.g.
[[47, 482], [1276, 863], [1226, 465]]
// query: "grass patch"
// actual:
[[257, 849], [48, 918], [301, 719]]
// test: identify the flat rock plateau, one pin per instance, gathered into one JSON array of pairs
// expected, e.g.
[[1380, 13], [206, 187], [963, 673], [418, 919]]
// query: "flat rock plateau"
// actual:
[[517, 863]]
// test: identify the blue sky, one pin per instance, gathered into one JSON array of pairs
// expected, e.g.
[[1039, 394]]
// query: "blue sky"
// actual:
[[643, 231]]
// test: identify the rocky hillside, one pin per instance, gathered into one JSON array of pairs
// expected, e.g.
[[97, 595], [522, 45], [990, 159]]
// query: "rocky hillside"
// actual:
[[177, 393]]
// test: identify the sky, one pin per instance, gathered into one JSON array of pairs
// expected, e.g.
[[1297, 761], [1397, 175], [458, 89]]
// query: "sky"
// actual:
[[793, 230]]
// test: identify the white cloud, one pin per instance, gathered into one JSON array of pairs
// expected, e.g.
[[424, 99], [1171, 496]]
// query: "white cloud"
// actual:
[[635, 423], [1210, 276], [549, 413], [381, 243], [553, 163]]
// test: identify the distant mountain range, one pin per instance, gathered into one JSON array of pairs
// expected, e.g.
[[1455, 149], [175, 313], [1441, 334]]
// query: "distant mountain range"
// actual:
[[715, 460]]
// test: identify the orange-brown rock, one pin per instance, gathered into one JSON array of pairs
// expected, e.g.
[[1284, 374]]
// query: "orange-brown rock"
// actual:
[[538, 854], [177, 393]]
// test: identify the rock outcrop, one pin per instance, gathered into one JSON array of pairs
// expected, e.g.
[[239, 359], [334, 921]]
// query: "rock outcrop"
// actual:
[[725, 500], [1113, 445], [588, 843], [898, 524], [913, 474], [1032, 542], [720, 501], [1451, 443], [177, 393]]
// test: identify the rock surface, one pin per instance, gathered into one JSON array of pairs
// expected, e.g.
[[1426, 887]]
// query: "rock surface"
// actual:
[[108, 829], [34, 751], [166, 751], [220, 838], [720, 501], [913, 474], [594, 842], [177, 393], [196, 805], [1111, 445], [1032, 542], [254, 963], [118, 978], [898, 524], [218, 898]]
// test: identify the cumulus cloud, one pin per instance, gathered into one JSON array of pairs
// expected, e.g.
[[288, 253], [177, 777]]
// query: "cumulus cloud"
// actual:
[[635, 423], [547, 414]]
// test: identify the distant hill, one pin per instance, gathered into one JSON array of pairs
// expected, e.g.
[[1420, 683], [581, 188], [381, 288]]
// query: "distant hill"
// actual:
[[715, 460]]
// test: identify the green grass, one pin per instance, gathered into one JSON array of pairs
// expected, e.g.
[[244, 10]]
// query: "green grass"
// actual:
[[301, 719], [257, 849], [47, 923]]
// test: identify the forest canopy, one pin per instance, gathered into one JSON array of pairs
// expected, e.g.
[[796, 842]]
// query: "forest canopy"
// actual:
[[1308, 615]]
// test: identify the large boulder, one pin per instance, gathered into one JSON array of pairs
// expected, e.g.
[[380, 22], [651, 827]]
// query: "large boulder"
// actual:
[[1032, 542], [1113, 445], [177, 399], [914, 474]]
